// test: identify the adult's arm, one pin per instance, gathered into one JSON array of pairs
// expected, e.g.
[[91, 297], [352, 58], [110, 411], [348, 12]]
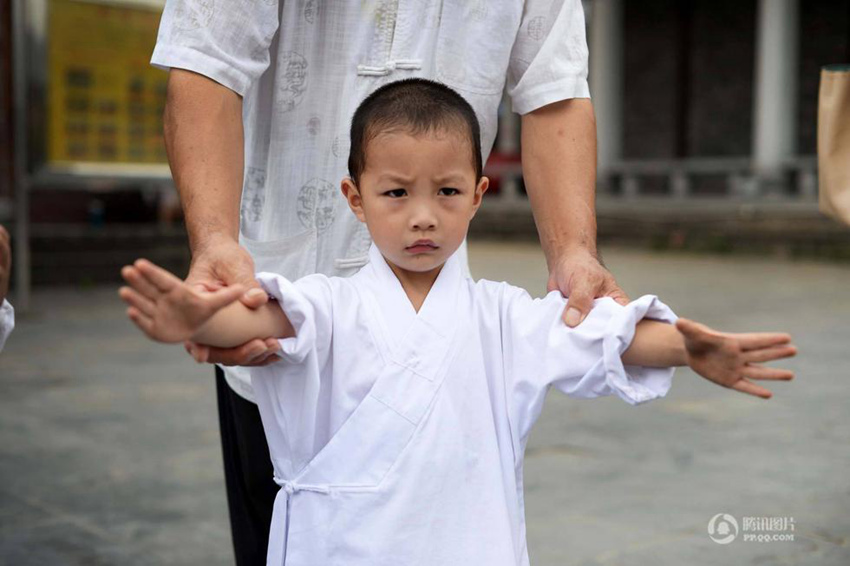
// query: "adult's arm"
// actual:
[[559, 169], [204, 140]]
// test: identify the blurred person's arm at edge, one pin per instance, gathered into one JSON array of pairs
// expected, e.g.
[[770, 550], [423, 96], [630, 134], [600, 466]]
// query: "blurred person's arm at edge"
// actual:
[[7, 312], [559, 168], [204, 140]]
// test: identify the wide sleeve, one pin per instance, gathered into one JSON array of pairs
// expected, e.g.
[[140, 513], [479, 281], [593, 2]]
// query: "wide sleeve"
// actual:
[[225, 40], [308, 304], [7, 322], [541, 351], [289, 392], [549, 57]]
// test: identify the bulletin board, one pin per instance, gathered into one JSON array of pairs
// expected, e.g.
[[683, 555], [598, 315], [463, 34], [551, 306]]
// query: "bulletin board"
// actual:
[[104, 100]]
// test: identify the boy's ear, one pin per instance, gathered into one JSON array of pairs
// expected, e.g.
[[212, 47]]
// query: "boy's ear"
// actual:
[[482, 187], [352, 195]]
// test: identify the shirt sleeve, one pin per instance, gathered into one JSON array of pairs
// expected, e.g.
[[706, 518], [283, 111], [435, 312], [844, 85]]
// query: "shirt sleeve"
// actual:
[[7, 322], [225, 40], [549, 57], [583, 362]]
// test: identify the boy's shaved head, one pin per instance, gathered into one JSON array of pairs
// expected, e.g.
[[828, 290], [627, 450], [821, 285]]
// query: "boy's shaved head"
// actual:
[[414, 106]]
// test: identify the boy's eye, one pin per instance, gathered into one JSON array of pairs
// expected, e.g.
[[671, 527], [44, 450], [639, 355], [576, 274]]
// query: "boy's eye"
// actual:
[[450, 191], [395, 193]]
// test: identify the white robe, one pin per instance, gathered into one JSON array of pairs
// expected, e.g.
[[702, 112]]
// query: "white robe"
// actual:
[[398, 438]]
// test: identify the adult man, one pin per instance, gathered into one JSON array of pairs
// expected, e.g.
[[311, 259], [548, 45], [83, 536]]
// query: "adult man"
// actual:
[[281, 81]]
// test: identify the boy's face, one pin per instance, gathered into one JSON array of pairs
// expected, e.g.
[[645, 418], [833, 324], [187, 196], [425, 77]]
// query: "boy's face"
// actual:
[[414, 189]]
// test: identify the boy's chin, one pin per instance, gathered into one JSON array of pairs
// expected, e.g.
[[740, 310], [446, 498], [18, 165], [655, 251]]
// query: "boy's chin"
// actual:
[[421, 263]]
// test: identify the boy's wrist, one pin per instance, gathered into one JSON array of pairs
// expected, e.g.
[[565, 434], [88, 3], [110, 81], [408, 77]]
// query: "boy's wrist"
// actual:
[[200, 335], [680, 351]]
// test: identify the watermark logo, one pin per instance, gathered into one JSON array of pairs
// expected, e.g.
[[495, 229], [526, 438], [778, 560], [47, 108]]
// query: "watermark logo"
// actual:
[[723, 529]]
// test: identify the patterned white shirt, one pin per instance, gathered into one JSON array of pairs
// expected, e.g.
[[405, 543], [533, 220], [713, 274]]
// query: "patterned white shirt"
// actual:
[[304, 66]]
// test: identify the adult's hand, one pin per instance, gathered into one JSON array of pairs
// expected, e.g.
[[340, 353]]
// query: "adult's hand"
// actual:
[[559, 168], [5, 263], [221, 262], [581, 278]]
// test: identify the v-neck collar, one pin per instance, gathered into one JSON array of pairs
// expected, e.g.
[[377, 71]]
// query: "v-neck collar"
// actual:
[[396, 309]]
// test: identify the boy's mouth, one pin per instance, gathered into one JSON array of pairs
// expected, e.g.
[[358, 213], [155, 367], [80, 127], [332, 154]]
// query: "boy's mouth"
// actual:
[[422, 245]]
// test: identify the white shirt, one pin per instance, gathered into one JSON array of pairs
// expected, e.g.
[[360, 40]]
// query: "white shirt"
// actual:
[[398, 437], [7, 322], [304, 66]]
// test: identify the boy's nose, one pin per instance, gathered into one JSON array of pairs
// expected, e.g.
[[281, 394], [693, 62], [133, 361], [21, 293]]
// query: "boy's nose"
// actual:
[[423, 219]]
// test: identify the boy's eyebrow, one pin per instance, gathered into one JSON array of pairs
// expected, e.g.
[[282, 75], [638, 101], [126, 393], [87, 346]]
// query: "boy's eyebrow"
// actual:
[[400, 178]]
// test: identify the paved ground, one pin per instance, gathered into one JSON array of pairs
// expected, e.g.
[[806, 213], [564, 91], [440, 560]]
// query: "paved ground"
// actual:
[[109, 447]]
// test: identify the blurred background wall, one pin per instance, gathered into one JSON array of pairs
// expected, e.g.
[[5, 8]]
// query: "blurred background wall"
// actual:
[[706, 115]]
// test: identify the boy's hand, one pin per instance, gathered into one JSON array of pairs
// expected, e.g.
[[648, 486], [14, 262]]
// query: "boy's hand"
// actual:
[[731, 360], [166, 308]]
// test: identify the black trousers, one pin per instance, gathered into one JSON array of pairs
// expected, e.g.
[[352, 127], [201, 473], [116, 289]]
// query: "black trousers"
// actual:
[[248, 474]]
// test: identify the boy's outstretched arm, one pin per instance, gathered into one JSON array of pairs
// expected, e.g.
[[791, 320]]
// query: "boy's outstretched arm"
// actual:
[[727, 359], [168, 310]]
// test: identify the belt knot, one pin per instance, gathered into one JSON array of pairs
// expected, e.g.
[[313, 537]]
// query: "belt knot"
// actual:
[[291, 487]]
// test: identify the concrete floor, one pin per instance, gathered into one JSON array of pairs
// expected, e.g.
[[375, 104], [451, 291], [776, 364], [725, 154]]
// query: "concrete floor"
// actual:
[[109, 449]]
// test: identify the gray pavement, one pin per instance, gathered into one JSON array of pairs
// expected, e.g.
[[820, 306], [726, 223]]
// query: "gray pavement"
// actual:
[[109, 449]]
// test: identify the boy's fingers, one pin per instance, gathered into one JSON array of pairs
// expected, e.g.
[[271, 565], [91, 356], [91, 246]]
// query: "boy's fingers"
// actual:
[[751, 388], [761, 372], [134, 299], [140, 320], [768, 354], [754, 340], [138, 281], [159, 278]]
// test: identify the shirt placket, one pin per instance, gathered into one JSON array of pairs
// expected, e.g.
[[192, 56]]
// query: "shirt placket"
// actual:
[[390, 43]]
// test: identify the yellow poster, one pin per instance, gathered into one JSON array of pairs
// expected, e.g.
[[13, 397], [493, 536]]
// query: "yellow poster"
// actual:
[[105, 101]]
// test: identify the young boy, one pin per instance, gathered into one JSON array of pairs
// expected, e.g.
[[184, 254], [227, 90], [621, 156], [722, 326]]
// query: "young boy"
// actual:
[[398, 416]]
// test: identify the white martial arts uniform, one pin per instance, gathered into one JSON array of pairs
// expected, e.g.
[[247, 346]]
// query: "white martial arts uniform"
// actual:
[[303, 67], [7, 322], [397, 437]]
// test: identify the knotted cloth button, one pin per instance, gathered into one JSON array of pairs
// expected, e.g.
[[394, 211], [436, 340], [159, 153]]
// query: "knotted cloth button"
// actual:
[[391, 65], [291, 487]]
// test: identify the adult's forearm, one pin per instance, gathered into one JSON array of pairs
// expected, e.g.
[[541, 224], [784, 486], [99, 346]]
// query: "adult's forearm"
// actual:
[[204, 140], [559, 168]]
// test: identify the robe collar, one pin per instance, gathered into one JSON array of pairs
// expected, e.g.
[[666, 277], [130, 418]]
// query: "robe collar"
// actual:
[[396, 309]]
